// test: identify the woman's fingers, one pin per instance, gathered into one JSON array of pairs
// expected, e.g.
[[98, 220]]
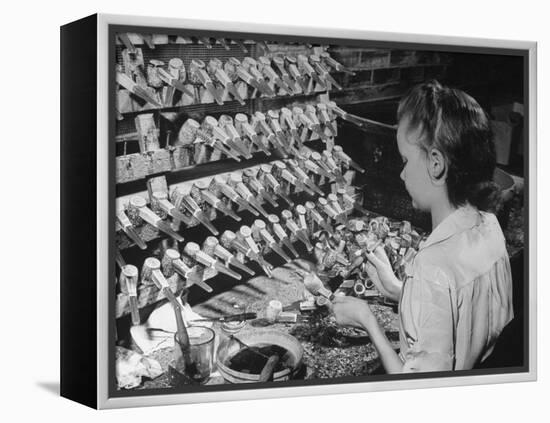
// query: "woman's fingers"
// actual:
[[350, 311], [330, 306], [376, 278], [299, 269], [303, 265], [337, 303], [378, 257], [372, 258], [371, 270], [373, 274], [301, 272], [338, 299], [380, 253]]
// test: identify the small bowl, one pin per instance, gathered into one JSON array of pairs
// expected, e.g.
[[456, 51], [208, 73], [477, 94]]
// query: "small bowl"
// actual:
[[259, 337]]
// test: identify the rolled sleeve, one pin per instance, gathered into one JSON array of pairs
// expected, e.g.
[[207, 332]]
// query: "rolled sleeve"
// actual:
[[429, 328]]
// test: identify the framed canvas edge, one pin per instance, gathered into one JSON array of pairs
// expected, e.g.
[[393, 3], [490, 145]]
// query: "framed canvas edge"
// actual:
[[294, 30], [103, 399]]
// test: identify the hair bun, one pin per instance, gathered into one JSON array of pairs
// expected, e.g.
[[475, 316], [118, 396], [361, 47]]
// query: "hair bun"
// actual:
[[485, 196]]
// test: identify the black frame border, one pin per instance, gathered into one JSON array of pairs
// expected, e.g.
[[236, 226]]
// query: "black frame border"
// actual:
[[78, 211]]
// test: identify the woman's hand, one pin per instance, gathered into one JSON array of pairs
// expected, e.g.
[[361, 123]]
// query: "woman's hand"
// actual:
[[351, 311], [381, 273]]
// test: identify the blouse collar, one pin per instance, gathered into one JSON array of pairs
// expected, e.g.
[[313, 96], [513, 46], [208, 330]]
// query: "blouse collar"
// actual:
[[463, 218]]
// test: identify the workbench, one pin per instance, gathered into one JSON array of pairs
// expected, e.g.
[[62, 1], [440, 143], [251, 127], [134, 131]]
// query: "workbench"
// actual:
[[328, 352]]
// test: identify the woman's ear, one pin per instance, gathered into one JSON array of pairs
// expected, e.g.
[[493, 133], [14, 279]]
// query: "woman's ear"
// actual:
[[437, 166]]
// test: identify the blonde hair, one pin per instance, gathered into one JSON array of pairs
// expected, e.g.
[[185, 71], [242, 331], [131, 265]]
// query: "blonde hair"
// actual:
[[454, 123]]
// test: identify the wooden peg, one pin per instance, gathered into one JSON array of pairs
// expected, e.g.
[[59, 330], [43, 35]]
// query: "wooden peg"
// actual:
[[148, 134], [128, 281]]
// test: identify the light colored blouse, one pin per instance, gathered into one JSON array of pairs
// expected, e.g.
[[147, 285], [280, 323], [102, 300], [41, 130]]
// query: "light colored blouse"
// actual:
[[457, 297]]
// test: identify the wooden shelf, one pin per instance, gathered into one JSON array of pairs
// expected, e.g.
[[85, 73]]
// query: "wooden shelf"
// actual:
[[149, 233], [138, 166], [134, 102], [165, 161], [196, 171]]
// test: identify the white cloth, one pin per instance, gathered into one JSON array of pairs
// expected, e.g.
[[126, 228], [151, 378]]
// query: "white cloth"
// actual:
[[458, 295], [158, 331]]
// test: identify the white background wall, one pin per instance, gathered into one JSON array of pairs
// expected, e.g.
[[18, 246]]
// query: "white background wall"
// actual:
[[30, 175]]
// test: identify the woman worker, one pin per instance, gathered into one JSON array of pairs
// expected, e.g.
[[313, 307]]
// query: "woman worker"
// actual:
[[457, 296]]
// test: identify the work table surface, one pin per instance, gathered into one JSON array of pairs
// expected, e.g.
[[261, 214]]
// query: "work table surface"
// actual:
[[329, 351]]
